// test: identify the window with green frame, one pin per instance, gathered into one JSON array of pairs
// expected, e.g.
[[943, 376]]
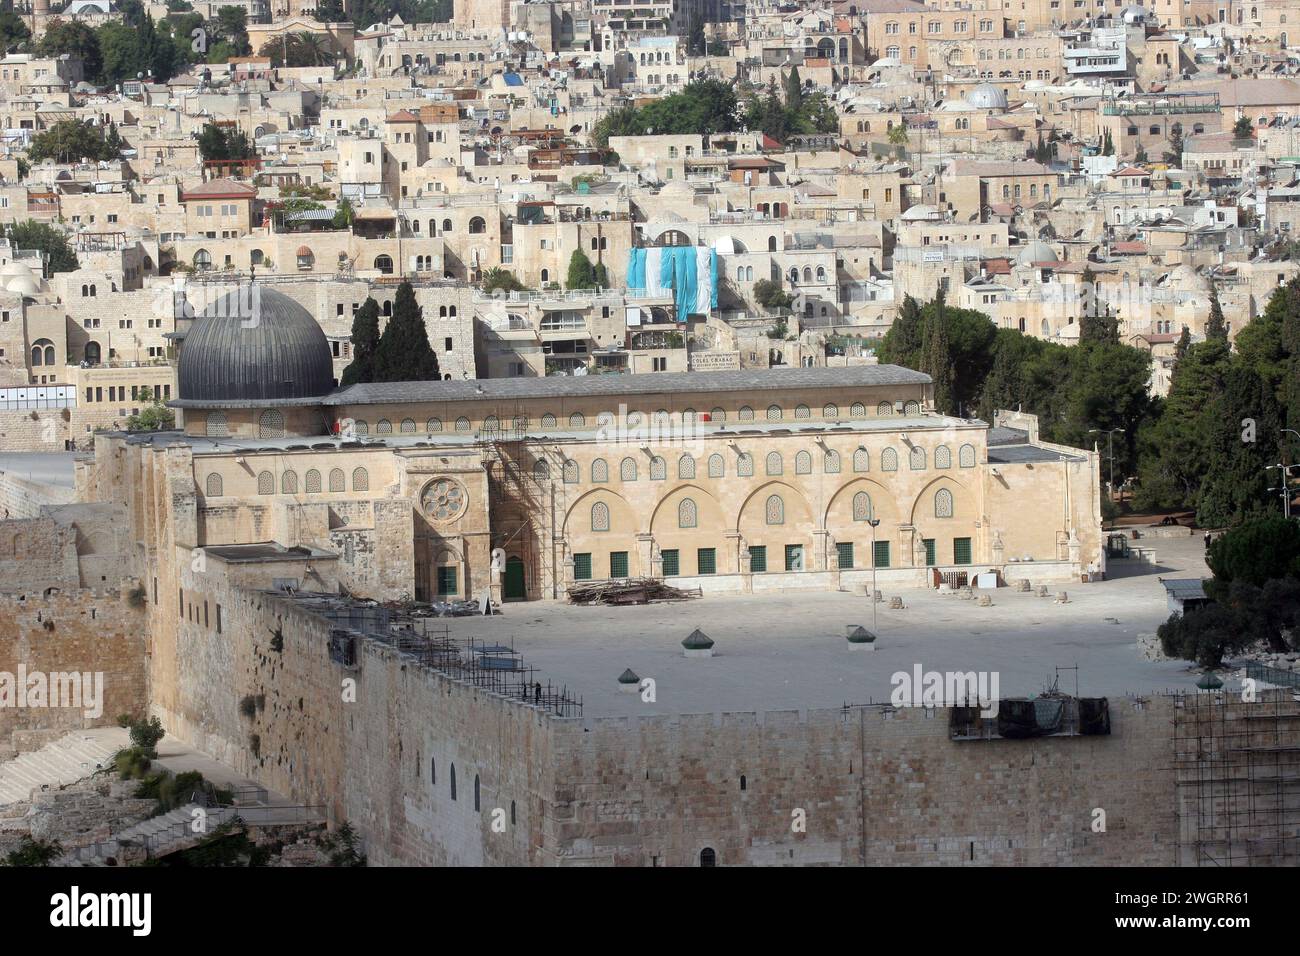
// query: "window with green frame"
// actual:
[[961, 550], [618, 564], [931, 559], [707, 560], [794, 557], [758, 558], [672, 564], [881, 554], [447, 581], [582, 567], [845, 552]]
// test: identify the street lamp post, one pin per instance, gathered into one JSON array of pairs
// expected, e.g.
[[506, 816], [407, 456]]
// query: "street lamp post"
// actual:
[[874, 611], [1285, 471], [1110, 452]]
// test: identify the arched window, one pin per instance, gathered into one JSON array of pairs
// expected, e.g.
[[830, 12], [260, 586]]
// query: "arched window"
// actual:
[[745, 465], [541, 470], [453, 781], [858, 410], [216, 425], [966, 456], [462, 424], [861, 460], [408, 426], [688, 416], [477, 225], [774, 413], [708, 857], [658, 469], [600, 470], [42, 352], [289, 483], [889, 460], [912, 408], [685, 467], [943, 503], [831, 462], [203, 260], [360, 479], [265, 483], [916, 458], [577, 420], [572, 472], [830, 411], [270, 424], [862, 507], [313, 482], [548, 420], [774, 511], [383, 427], [687, 513], [336, 479], [746, 414], [717, 466], [627, 469], [774, 463], [212, 488], [718, 415], [803, 463], [942, 457], [600, 516], [433, 426], [885, 409], [360, 427]]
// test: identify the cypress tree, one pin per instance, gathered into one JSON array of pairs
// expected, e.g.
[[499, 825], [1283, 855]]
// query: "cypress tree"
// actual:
[[582, 274], [1215, 327], [1184, 343], [404, 353], [939, 360], [365, 340], [793, 89]]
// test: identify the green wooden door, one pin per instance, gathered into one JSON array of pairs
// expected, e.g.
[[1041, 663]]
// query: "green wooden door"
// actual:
[[515, 589]]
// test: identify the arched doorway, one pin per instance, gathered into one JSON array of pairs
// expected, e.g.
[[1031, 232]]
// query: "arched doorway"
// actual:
[[515, 588]]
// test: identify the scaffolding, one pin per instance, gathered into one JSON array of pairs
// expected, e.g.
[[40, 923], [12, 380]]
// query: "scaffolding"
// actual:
[[1237, 779]]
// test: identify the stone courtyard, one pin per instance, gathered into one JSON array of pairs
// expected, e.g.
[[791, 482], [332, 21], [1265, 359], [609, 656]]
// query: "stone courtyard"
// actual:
[[788, 650]]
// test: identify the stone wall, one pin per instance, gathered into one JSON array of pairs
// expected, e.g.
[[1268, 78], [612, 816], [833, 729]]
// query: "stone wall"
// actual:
[[81, 630], [36, 554]]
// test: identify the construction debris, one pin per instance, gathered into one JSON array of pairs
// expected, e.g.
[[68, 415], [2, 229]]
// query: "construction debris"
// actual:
[[628, 591]]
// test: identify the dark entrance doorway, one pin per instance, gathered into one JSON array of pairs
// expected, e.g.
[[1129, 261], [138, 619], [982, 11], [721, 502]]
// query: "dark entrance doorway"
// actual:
[[515, 589]]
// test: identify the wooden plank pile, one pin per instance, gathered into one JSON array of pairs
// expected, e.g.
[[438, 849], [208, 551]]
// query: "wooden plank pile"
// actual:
[[628, 591]]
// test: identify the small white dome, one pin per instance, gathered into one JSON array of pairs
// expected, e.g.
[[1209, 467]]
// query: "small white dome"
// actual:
[[15, 268], [1036, 251], [986, 96], [1134, 14], [23, 285]]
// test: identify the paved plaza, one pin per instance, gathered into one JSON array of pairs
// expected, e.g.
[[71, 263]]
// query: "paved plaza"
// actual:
[[788, 650]]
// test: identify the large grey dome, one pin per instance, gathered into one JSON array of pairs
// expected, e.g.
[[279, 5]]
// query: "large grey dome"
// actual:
[[252, 345], [986, 96]]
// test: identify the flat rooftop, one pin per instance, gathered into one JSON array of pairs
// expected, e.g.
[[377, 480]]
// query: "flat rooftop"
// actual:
[[53, 468], [787, 651]]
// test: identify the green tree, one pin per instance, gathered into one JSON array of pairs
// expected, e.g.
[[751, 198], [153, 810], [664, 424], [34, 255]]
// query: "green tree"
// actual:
[[771, 296], [31, 234], [497, 278], [404, 353], [121, 54], [1098, 326], [581, 275], [232, 27], [1256, 552], [69, 141], [365, 343], [940, 361], [1107, 145], [696, 44], [75, 39], [153, 417], [224, 142], [1215, 327], [13, 30], [1174, 155], [32, 852], [1183, 344], [331, 11], [1243, 128], [793, 89], [897, 135], [704, 107], [1237, 480]]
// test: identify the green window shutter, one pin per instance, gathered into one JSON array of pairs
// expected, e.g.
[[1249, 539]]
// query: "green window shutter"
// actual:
[[794, 557], [708, 561], [845, 550], [671, 564], [618, 564], [930, 558], [882, 554], [447, 581], [582, 567], [757, 558], [961, 550]]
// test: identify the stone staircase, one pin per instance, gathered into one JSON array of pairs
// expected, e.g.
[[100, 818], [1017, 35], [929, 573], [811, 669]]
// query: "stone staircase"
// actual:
[[175, 830], [70, 758]]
